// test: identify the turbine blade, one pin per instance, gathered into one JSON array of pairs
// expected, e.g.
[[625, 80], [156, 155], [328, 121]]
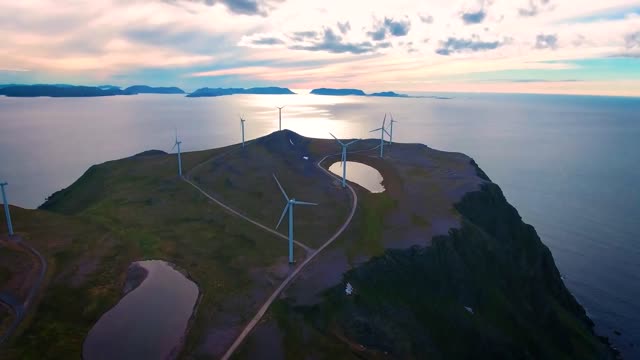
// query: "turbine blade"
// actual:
[[341, 143], [385, 130], [375, 129], [280, 186], [283, 214], [174, 145], [349, 143], [303, 203]]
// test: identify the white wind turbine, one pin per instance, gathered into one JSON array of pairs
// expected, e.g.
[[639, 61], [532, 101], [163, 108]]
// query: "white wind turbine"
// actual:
[[177, 143], [6, 208], [289, 207], [344, 158], [242, 125], [280, 116], [391, 129], [382, 131]]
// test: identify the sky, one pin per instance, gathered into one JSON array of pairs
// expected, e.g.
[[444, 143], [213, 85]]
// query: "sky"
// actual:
[[536, 46]]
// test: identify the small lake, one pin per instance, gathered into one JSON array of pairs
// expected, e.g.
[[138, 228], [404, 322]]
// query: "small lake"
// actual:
[[149, 322], [361, 174]]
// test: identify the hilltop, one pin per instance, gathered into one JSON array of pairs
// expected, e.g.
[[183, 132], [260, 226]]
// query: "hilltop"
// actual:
[[441, 264]]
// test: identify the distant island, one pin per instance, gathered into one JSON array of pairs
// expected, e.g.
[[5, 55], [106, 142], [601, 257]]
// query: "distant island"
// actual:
[[204, 92], [338, 92], [64, 90], [144, 89], [354, 92], [59, 91], [388, 94]]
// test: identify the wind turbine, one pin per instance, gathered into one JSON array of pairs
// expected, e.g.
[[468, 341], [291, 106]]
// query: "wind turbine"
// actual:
[[280, 115], [6, 208], [391, 129], [382, 131], [344, 158], [242, 124], [289, 207], [177, 143]]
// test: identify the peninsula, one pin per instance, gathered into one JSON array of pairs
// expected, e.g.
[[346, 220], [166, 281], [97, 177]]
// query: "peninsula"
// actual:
[[439, 265]]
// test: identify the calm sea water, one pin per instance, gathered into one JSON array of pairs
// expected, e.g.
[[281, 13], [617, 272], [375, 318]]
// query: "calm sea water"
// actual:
[[569, 164]]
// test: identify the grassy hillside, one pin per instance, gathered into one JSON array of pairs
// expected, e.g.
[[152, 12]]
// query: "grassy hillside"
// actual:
[[135, 209], [432, 244]]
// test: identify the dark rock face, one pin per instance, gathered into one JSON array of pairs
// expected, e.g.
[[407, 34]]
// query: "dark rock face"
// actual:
[[338, 92], [232, 91], [412, 303]]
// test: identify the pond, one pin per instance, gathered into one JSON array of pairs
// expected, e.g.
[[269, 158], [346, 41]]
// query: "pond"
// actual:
[[361, 174], [150, 321]]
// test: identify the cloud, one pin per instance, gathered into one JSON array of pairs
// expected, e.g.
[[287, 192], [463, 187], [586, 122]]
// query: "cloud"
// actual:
[[344, 27], [331, 42], [474, 17], [268, 41], [533, 8], [457, 45], [378, 34], [632, 40], [397, 27], [546, 42], [304, 35], [389, 26], [242, 7], [426, 18]]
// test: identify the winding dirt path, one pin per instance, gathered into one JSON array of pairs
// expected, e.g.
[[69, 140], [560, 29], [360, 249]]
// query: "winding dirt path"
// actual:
[[310, 252], [263, 309]]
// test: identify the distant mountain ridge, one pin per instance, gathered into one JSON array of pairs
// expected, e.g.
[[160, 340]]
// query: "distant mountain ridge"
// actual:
[[354, 92], [65, 90], [144, 89], [58, 91], [338, 92], [205, 92]]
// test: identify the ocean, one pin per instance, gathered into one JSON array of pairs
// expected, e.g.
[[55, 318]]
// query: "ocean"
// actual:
[[569, 164]]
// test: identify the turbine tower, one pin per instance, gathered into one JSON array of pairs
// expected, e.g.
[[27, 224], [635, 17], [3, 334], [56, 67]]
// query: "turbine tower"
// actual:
[[280, 116], [391, 129], [177, 143], [6, 208], [289, 207], [242, 125], [382, 131], [344, 158]]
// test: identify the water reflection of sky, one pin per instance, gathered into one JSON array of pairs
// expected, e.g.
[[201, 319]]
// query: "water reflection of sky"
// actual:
[[361, 174]]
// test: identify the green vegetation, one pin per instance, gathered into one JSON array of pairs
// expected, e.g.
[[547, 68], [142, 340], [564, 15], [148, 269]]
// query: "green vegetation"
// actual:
[[370, 222], [147, 213]]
